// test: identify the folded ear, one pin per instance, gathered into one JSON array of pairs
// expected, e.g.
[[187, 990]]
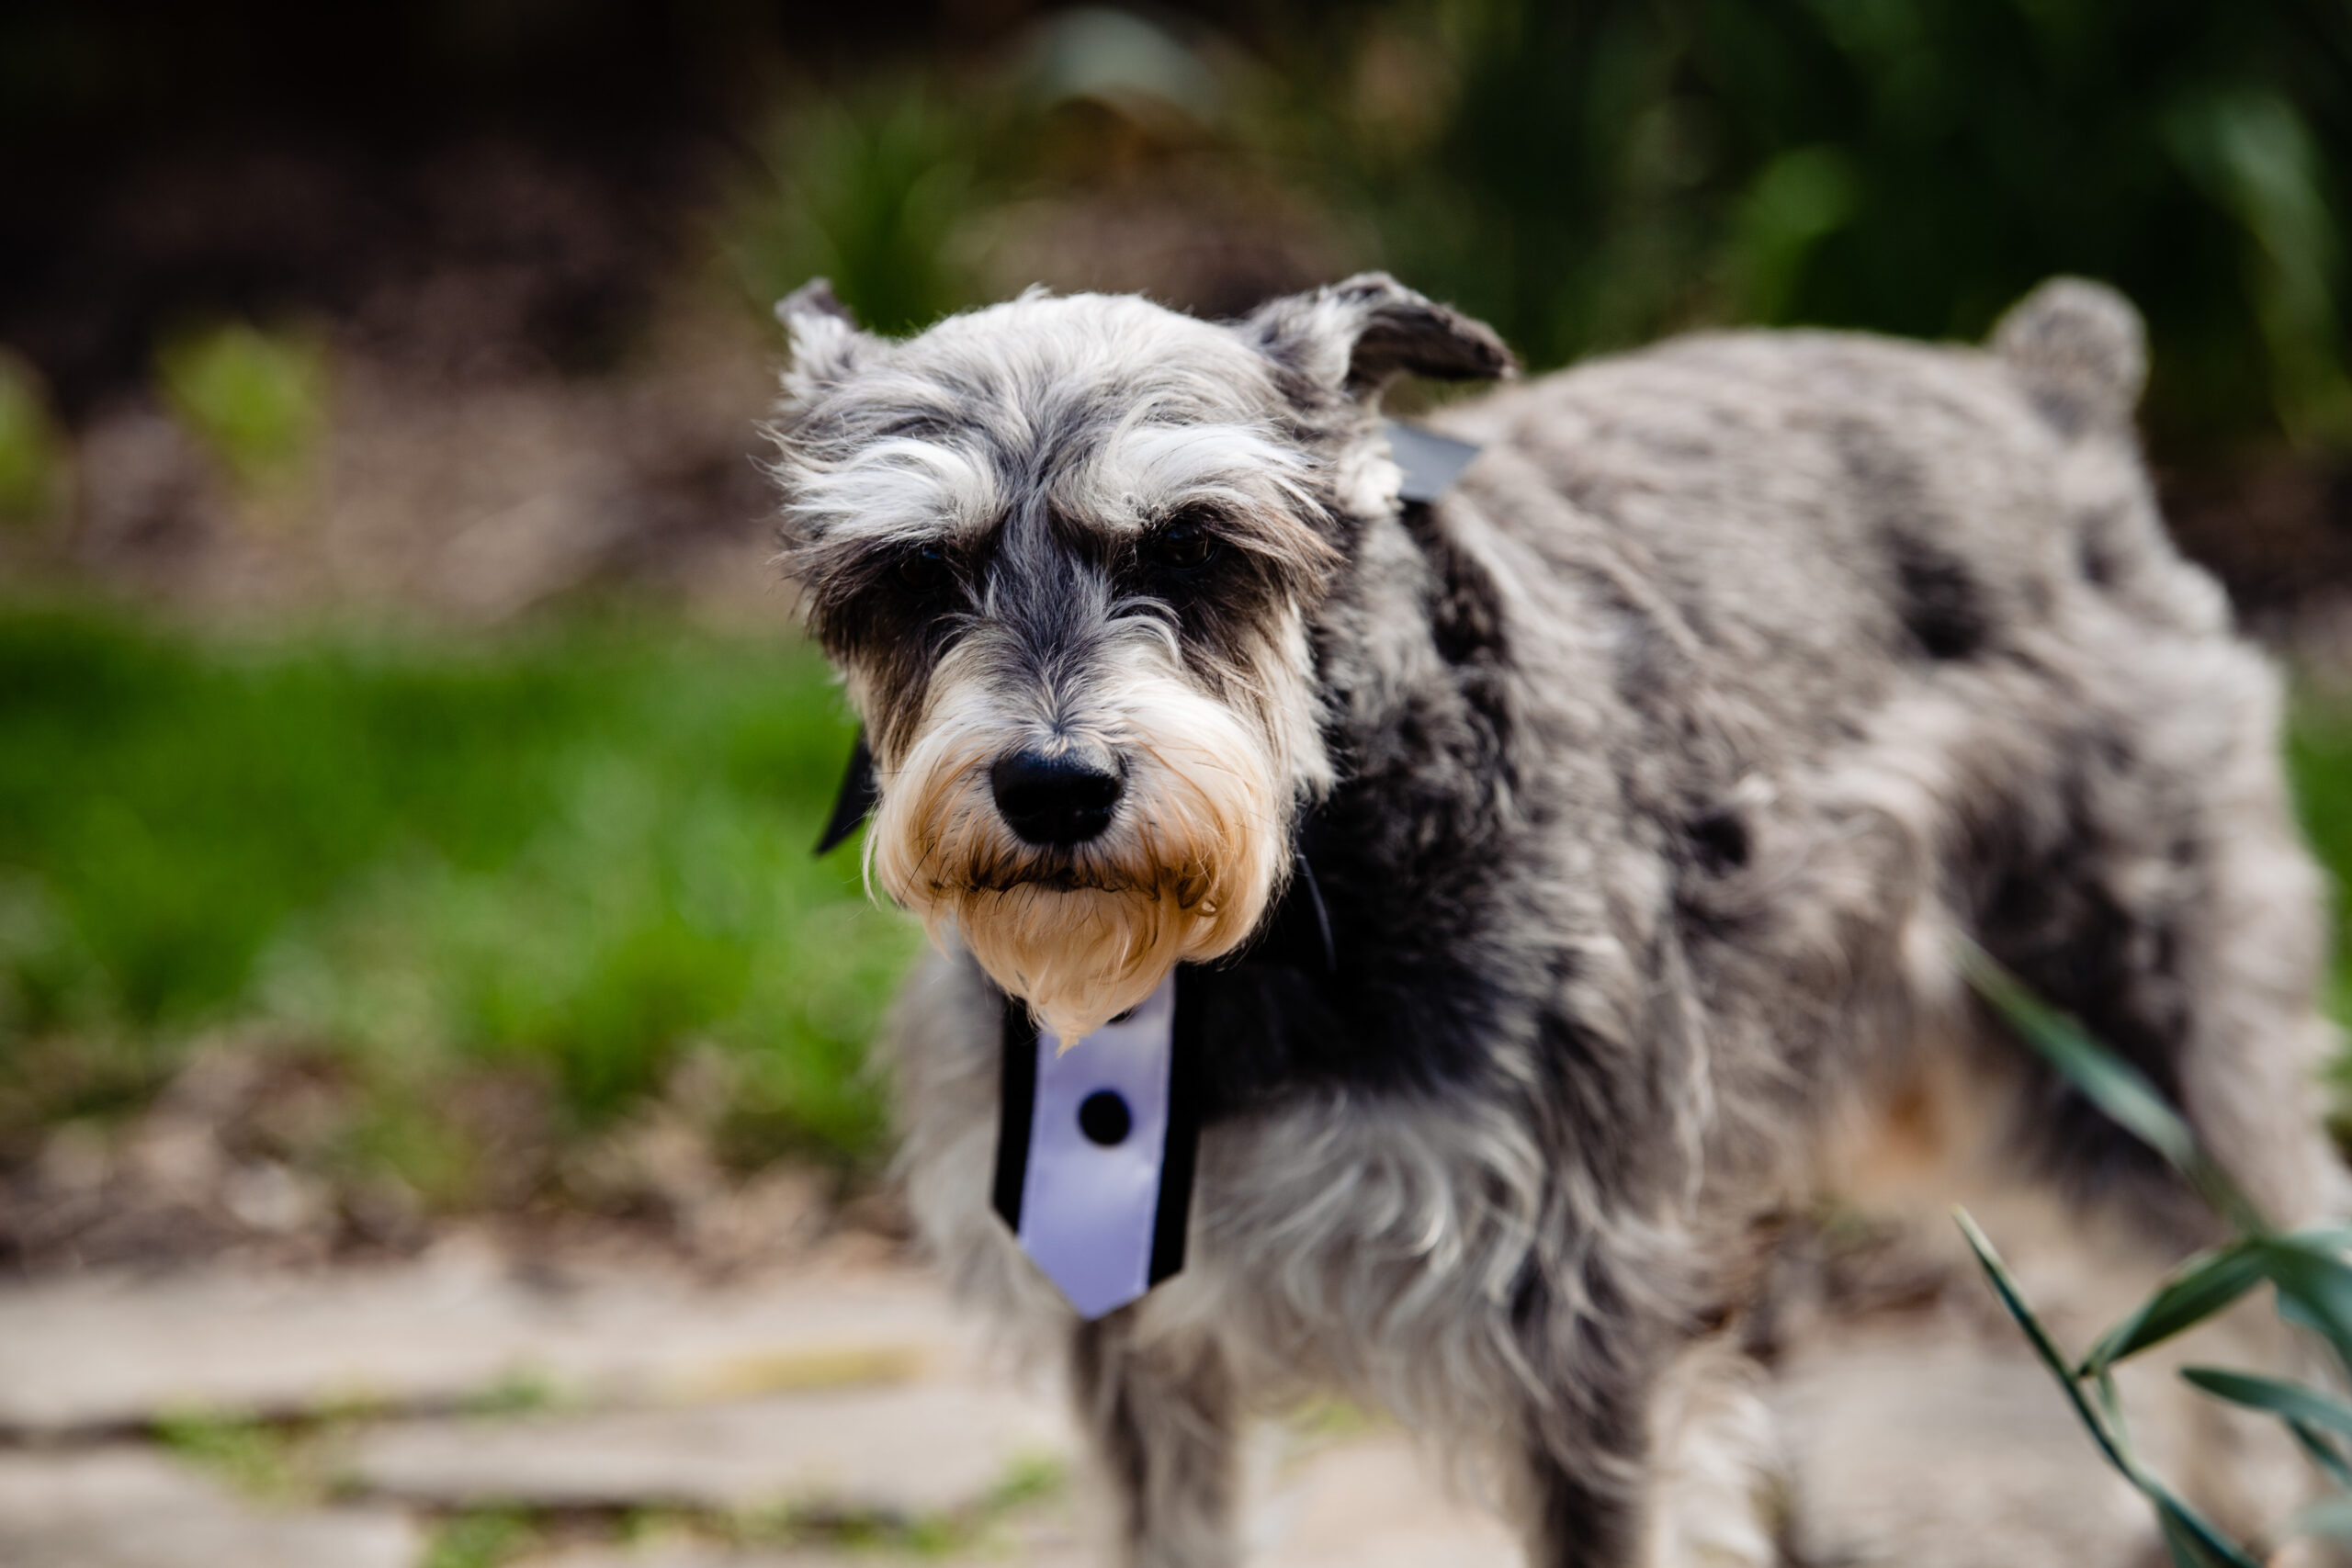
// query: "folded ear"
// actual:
[[1357, 336], [827, 341]]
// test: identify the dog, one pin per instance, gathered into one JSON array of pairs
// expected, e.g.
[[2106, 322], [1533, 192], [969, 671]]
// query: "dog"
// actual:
[[1650, 779]]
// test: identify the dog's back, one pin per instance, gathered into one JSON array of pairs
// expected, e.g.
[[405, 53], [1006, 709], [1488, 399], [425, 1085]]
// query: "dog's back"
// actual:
[[1829, 516], [1802, 587]]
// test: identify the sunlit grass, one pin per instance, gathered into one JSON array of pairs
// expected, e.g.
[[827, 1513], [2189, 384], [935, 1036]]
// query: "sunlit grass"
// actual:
[[578, 850], [2319, 756]]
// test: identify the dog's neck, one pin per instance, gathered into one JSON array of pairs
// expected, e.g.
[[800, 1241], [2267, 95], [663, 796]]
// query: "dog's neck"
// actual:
[[1409, 637], [1406, 650]]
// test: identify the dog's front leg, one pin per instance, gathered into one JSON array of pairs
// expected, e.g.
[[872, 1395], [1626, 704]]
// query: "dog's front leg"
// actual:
[[1162, 1418], [1575, 1509], [1657, 1462]]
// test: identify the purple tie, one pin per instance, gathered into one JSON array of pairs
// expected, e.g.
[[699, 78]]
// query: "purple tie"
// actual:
[[1088, 1208]]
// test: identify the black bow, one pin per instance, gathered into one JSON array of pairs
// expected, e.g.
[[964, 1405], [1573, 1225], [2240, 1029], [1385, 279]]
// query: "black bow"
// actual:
[[855, 802]]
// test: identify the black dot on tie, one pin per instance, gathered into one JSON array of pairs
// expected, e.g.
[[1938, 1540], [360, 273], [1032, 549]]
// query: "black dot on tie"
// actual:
[[1103, 1117]]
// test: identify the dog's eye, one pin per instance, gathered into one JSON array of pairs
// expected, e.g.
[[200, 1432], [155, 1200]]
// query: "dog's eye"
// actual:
[[1184, 545], [926, 570]]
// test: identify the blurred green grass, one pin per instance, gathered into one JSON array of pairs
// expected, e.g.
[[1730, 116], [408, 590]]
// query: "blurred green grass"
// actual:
[[2319, 759], [578, 848]]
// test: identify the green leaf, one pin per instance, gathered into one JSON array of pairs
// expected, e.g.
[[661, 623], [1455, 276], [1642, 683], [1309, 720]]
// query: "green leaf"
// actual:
[[2005, 1285], [2110, 1083], [2191, 1538], [2113, 1084], [2191, 1293], [2110, 1405], [2192, 1542], [2183, 1546], [2290, 1400], [2335, 1237], [2329, 1516], [2308, 1414], [2314, 1286], [2322, 1452]]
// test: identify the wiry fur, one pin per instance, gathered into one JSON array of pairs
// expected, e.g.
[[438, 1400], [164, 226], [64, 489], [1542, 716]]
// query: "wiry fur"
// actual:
[[1654, 770]]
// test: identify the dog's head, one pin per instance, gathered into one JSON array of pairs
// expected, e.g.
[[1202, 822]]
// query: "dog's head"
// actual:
[[1064, 552]]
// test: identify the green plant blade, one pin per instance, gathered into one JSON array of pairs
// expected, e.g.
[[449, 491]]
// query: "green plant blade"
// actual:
[[2196, 1291], [2180, 1520], [2289, 1401], [2117, 1088], [2333, 1237], [2193, 1542], [2330, 1516], [2114, 1086], [2005, 1285], [2314, 1288], [2181, 1545], [2322, 1452], [2110, 1406], [2192, 1539]]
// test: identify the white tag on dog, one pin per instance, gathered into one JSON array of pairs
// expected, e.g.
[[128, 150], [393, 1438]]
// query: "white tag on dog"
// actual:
[[1427, 462], [1090, 1193]]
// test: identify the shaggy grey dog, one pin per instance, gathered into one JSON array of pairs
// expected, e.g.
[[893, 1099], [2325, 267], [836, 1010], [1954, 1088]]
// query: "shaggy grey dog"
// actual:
[[1650, 777]]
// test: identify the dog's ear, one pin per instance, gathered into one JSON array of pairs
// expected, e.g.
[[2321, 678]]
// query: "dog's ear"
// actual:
[[827, 341], [1356, 336]]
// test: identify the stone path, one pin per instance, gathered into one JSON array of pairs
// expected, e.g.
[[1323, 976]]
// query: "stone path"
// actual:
[[119, 1507], [459, 1412], [80, 1354]]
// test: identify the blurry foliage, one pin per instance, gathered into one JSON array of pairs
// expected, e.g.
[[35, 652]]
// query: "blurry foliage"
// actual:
[[1597, 173], [480, 1538], [1588, 176], [2318, 759], [2309, 1271], [519, 1393], [894, 186], [868, 189], [252, 1455], [573, 853], [256, 399], [1601, 172], [32, 456]]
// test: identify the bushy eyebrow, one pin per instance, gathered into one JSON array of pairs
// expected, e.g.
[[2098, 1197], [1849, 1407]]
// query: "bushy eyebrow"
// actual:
[[1143, 470], [900, 488], [897, 489]]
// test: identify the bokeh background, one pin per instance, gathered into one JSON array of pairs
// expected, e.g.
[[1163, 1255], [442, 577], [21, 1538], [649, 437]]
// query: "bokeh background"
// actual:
[[408, 767]]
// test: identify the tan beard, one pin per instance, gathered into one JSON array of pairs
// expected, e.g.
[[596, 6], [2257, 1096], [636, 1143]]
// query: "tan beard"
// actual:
[[1184, 875]]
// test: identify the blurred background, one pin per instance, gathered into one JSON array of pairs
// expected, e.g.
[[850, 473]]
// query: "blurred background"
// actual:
[[407, 764], [400, 730]]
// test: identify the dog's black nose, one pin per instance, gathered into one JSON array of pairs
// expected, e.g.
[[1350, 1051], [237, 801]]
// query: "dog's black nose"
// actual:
[[1055, 800]]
